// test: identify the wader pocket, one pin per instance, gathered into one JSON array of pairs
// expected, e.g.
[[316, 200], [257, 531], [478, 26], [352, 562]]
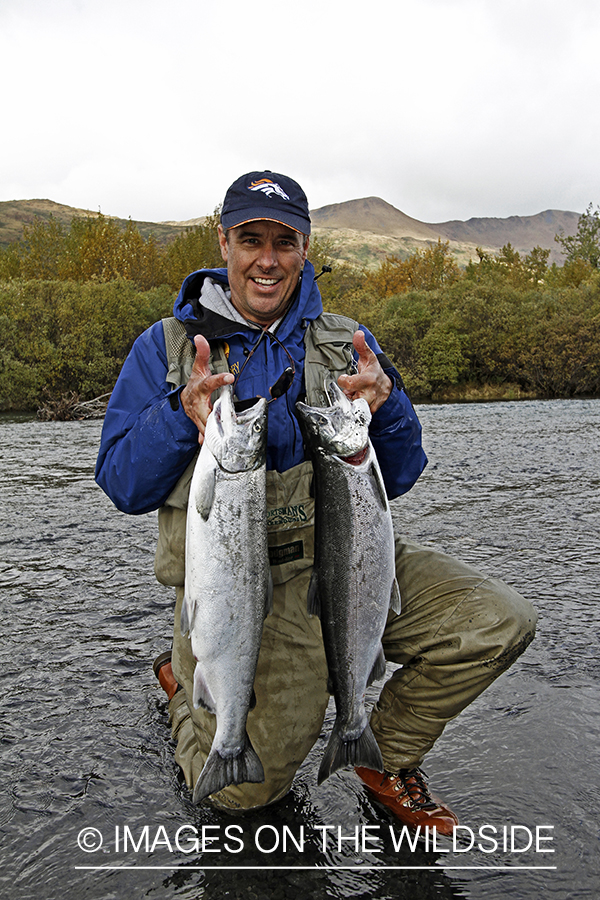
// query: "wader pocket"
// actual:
[[290, 521]]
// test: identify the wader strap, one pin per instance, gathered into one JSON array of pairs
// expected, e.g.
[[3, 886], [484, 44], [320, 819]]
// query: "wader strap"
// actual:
[[329, 349], [181, 353]]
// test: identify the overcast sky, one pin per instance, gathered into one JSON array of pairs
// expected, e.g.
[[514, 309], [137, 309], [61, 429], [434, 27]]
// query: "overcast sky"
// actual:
[[445, 108]]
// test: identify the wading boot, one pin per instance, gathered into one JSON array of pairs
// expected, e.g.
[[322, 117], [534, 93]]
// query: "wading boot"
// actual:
[[408, 797], [164, 673]]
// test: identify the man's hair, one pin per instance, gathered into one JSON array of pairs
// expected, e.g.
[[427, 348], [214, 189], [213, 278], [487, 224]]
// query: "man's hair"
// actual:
[[299, 233]]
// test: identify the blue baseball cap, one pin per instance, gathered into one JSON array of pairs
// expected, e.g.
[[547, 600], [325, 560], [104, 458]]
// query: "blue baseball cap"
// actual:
[[266, 195]]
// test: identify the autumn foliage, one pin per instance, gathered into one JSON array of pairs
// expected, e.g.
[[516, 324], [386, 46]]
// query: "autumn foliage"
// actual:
[[72, 301]]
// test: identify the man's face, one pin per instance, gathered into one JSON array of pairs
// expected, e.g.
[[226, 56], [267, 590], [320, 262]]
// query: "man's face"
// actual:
[[264, 261]]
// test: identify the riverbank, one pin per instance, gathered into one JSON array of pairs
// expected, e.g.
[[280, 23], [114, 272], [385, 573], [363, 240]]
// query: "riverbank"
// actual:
[[480, 393], [70, 407]]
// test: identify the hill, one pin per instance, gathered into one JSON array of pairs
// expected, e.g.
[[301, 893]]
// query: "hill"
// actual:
[[16, 213], [374, 215], [371, 228], [523, 232], [365, 230]]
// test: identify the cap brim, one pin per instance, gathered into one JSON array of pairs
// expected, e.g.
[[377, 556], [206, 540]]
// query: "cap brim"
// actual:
[[296, 223]]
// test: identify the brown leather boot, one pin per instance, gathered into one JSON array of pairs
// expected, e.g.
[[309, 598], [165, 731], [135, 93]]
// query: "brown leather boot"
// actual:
[[164, 673], [408, 797]]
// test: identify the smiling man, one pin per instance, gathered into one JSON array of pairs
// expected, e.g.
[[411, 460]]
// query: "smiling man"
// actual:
[[252, 322], [265, 256]]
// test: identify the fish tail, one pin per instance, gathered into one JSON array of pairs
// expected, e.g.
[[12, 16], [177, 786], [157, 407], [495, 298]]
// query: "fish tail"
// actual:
[[378, 670], [220, 771], [363, 751]]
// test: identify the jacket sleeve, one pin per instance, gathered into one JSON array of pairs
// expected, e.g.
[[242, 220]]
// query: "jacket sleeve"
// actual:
[[395, 432], [147, 439]]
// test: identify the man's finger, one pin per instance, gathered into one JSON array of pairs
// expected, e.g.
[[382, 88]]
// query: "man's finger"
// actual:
[[365, 354], [200, 366], [371, 383], [195, 397], [214, 382]]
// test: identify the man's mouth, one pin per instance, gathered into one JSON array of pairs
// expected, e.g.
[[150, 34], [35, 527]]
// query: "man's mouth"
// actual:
[[266, 281]]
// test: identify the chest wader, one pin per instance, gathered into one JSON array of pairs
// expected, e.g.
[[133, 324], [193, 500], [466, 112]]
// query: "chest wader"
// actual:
[[291, 677]]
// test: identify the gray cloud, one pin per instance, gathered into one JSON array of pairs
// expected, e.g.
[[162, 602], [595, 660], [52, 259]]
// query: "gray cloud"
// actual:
[[446, 108]]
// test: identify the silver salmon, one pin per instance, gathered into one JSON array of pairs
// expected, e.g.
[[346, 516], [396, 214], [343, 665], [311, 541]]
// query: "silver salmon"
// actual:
[[228, 586], [354, 579]]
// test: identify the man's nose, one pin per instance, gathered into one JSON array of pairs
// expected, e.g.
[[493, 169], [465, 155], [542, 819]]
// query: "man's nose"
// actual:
[[267, 257]]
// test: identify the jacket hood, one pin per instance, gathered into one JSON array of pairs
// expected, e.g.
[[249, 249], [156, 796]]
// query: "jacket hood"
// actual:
[[197, 319]]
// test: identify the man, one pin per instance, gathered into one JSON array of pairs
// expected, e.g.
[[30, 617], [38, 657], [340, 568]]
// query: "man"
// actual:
[[262, 315]]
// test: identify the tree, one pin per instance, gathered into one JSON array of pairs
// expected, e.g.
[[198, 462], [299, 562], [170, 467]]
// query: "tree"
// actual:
[[39, 254], [507, 266], [424, 270], [585, 244], [197, 248]]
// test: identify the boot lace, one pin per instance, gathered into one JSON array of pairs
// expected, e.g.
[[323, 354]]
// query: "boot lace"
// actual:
[[415, 787]]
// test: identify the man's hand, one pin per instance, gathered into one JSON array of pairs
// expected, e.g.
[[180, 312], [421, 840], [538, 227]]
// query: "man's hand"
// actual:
[[195, 397], [371, 382]]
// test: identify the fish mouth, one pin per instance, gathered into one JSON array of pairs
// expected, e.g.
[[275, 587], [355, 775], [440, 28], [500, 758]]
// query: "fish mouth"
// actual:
[[356, 458], [237, 438]]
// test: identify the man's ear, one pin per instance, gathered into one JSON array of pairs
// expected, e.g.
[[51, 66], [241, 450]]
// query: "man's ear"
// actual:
[[222, 242], [305, 251]]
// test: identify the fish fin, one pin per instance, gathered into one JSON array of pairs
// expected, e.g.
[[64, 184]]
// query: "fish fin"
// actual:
[[269, 596], [395, 601], [379, 485], [313, 603], [202, 695], [185, 623], [364, 751], [378, 670], [206, 493], [219, 771]]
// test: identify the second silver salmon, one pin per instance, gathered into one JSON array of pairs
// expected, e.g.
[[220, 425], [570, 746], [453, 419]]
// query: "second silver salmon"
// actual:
[[354, 581]]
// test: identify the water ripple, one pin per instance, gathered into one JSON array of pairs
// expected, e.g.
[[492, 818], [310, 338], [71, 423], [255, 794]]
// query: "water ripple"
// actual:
[[511, 488]]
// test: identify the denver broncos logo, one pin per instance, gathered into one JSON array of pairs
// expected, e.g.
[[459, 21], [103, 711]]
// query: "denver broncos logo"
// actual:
[[268, 187]]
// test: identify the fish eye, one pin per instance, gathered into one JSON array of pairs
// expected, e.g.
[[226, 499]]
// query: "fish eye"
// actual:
[[257, 427]]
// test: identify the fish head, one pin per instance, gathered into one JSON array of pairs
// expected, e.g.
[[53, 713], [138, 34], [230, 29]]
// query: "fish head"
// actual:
[[237, 439], [341, 429]]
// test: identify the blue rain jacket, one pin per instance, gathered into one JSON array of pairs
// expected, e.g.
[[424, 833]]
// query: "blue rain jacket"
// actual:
[[148, 441]]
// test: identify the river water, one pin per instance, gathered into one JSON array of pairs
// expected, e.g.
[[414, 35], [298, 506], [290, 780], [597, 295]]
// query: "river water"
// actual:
[[86, 751]]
